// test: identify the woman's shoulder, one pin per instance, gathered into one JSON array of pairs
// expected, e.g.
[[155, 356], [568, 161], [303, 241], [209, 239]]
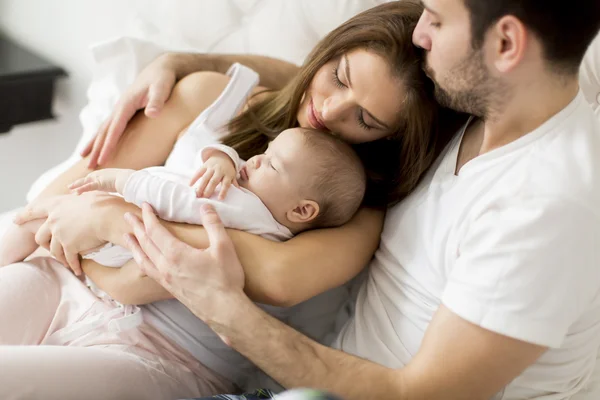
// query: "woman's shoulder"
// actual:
[[205, 84], [206, 79], [200, 89]]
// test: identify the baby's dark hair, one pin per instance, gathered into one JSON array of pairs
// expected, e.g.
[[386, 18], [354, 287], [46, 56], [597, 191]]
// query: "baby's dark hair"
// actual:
[[339, 180]]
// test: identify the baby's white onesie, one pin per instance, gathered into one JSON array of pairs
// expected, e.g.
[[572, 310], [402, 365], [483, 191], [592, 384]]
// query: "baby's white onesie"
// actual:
[[168, 192]]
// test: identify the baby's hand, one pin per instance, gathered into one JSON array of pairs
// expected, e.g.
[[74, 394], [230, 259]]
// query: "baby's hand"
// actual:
[[219, 168], [106, 180]]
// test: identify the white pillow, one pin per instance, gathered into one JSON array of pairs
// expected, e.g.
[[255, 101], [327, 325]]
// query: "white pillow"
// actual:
[[285, 29]]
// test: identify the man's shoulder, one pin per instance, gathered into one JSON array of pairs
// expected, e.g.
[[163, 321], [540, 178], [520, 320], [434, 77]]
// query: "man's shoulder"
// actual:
[[566, 163]]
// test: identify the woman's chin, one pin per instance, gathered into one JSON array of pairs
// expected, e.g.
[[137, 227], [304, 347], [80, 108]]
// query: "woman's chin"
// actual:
[[302, 120]]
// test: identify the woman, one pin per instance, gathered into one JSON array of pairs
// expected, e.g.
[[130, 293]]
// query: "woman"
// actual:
[[353, 84]]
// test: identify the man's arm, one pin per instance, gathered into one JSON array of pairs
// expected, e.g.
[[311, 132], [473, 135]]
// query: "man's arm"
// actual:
[[274, 73], [457, 360]]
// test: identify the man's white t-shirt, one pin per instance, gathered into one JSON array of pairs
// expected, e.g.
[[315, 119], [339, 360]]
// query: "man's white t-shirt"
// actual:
[[511, 243]]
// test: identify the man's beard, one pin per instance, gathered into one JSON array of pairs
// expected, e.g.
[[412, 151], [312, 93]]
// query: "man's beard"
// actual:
[[468, 87]]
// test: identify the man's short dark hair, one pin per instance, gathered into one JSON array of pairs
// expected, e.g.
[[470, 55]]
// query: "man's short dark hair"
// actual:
[[565, 28]]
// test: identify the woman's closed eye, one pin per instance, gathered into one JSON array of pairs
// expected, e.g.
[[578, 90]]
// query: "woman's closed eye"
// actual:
[[338, 82], [361, 121], [336, 78]]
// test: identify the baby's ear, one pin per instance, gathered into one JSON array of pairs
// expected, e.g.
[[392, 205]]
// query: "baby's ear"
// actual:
[[304, 212]]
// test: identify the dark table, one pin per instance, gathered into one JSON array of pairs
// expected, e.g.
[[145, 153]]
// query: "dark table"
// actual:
[[26, 85]]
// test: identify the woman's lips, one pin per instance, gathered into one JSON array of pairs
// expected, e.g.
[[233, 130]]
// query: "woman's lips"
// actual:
[[313, 117]]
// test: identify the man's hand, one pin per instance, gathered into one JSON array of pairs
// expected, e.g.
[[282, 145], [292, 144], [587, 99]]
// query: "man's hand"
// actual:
[[219, 168], [205, 281], [106, 180], [149, 91]]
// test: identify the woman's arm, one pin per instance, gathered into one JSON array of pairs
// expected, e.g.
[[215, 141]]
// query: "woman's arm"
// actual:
[[154, 84], [274, 73], [126, 284], [277, 273], [147, 142], [308, 264]]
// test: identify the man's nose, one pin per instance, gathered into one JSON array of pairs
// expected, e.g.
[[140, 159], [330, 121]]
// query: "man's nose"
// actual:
[[421, 37]]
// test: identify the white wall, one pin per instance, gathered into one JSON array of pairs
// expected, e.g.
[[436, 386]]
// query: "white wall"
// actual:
[[61, 31]]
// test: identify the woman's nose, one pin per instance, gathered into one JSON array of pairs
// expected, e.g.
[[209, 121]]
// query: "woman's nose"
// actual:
[[334, 108]]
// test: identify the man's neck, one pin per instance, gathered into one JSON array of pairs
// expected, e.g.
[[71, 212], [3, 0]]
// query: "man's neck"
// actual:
[[530, 107]]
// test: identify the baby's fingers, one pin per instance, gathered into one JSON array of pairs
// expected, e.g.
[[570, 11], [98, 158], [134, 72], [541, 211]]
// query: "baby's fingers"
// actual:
[[225, 185], [84, 185], [198, 175], [203, 182], [78, 183], [212, 185], [88, 187]]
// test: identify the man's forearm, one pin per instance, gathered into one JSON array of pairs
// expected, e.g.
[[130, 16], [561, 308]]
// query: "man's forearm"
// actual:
[[296, 361], [274, 73]]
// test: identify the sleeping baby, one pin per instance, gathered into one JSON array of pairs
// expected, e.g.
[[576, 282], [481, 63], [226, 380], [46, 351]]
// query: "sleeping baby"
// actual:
[[306, 179]]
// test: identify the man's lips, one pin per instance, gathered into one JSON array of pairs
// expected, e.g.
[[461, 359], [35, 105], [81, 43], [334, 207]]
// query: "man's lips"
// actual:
[[313, 118]]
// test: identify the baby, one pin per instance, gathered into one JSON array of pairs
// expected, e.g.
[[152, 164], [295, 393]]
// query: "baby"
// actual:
[[305, 179]]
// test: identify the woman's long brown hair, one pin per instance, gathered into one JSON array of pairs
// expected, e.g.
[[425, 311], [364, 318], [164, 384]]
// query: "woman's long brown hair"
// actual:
[[395, 164]]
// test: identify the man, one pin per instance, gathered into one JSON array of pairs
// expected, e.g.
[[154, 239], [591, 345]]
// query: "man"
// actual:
[[487, 281]]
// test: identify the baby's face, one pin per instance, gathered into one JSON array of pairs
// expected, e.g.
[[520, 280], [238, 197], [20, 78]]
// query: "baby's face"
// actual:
[[276, 176]]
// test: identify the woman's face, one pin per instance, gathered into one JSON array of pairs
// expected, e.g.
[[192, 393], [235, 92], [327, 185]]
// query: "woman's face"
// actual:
[[355, 96]]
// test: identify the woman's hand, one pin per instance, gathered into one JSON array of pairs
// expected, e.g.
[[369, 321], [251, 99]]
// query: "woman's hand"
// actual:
[[219, 168], [69, 227], [150, 90], [203, 280]]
